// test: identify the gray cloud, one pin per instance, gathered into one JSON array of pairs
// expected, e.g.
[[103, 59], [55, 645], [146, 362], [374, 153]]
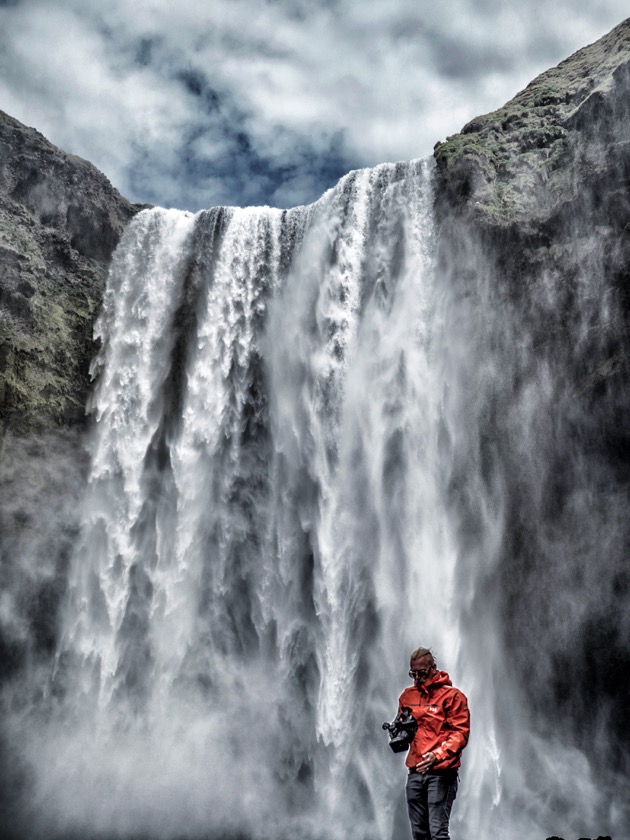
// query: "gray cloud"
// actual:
[[244, 101]]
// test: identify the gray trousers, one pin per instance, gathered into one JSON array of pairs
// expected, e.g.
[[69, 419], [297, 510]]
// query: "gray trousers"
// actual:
[[429, 800]]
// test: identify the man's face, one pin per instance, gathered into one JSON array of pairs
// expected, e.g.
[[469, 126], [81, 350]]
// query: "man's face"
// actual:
[[421, 669]]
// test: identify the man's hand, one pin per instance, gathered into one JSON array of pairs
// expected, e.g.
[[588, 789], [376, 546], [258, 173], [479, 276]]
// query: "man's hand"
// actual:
[[428, 760]]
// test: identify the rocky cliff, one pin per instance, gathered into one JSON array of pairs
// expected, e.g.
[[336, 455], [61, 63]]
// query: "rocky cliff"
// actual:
[[533, 202], [60, 220], [521, 165]]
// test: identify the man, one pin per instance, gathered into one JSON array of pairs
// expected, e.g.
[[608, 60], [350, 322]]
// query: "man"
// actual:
[[441, 712]]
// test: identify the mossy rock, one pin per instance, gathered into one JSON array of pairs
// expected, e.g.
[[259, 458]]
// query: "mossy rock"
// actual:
[[59, 224], [518, 164]]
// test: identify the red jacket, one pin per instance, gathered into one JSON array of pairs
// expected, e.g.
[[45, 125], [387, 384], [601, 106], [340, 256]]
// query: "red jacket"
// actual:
[[443, 721]]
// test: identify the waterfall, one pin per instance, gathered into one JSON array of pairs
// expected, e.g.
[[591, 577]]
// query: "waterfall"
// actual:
[[285, 499]]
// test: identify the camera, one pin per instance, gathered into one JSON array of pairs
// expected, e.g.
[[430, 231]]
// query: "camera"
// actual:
[[401, 730]]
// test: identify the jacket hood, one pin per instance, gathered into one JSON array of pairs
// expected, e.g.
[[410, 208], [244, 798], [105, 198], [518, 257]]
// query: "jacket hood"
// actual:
[[439, 679]]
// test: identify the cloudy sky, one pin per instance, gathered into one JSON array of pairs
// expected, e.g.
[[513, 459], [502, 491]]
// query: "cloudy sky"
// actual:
[[193, 103]]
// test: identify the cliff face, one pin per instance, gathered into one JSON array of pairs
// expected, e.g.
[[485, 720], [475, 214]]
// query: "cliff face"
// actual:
[[60, 220], [533, 203]]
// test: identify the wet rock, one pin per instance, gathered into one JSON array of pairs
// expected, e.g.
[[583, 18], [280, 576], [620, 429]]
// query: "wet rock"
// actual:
[[533, 204]]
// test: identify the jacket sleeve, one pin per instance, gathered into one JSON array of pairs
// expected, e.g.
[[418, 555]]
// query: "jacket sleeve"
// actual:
[[458, 724]]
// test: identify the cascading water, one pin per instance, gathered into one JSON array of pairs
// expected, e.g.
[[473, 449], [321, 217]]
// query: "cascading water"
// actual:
[[273, 521]]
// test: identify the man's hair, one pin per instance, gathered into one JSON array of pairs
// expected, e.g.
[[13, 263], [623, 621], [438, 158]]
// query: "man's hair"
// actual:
[[418, 653]]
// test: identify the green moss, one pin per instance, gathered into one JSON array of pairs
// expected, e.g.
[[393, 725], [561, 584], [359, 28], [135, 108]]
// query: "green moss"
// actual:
[[551, 91], [459, 146]]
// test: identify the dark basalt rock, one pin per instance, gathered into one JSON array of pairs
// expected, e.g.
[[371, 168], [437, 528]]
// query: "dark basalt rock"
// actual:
[[60, 220], [533, 206]]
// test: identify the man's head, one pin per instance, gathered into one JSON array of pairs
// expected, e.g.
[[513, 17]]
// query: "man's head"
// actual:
[[421, 666]]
